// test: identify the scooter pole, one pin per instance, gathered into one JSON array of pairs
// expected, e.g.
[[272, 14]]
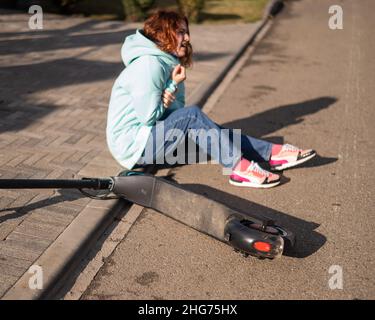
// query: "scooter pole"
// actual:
[[85, 183]]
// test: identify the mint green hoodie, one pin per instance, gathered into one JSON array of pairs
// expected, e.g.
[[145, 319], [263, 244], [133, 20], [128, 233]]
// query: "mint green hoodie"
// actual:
[[135, 103]]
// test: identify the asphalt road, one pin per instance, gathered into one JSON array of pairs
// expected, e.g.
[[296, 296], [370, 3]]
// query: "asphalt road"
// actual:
[[308, 85]]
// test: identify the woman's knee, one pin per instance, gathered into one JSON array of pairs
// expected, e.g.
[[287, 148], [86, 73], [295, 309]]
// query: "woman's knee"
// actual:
[[190, 115], [193, 110]]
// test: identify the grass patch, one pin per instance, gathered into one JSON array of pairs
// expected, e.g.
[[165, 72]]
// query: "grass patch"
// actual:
[[225, 11], [232, 11]]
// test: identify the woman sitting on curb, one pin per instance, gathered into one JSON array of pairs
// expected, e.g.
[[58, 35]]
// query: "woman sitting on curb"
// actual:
[[147, 108]]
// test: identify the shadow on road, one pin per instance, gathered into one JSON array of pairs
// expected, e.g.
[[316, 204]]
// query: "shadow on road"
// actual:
[[271, 120], [262, 124], [63, 196], [18, 109], [18, 114], [308, 242], [66, 38], [207, 56]]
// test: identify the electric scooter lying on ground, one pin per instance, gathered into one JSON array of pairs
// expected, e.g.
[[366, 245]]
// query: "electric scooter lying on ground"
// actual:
[[247, 233]]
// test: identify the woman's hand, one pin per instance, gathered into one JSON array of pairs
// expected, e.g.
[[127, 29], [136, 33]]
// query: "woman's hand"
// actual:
[[167, 98], [179, 73]]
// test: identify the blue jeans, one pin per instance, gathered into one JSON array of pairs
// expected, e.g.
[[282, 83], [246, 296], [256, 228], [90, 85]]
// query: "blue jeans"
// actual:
[[223, 145]]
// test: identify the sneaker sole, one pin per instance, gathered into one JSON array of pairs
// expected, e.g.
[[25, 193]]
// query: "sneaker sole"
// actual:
[[253, 185], [293, 164]]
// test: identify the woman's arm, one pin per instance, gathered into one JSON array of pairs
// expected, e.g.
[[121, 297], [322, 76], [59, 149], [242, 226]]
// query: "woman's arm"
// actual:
[[146, 89], [178, 75]]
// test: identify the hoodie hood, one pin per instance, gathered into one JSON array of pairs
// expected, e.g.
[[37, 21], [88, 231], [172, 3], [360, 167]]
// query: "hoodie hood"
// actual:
[[138, 45]]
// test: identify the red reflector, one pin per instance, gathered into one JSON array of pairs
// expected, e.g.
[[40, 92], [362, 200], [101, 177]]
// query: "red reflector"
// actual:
[[262, 246]]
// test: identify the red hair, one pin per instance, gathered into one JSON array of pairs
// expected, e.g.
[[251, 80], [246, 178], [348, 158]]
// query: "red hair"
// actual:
[[161, 28]]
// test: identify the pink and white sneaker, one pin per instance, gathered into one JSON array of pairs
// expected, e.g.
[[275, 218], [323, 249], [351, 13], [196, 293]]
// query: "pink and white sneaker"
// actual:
[[289, 156], [249, 174]]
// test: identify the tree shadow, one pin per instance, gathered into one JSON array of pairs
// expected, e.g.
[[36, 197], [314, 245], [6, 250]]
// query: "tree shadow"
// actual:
[[203, 56], [17, 117], [271, 120], [308, 241], [17, 108], [262, 124], [42, 76], [58, 40], [58, 73], [90, 25], [204, 16], [63, 196]]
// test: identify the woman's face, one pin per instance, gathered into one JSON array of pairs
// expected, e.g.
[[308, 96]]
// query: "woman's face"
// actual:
[[182, 39]]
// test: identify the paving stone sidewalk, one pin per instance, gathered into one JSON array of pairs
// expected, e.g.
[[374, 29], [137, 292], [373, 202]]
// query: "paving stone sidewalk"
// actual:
[[55, 85]]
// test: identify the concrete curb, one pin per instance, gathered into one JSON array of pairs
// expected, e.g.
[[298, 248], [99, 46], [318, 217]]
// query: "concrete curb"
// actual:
[[61, 258]]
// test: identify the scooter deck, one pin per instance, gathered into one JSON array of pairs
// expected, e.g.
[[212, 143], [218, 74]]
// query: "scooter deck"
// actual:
[[195, 210], [208, 216]]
